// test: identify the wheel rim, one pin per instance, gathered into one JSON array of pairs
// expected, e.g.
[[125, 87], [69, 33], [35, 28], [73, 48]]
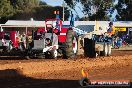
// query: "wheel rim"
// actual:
[[75, 45]]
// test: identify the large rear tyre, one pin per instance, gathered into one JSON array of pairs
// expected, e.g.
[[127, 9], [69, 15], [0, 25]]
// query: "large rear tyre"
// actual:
[[71, 45]]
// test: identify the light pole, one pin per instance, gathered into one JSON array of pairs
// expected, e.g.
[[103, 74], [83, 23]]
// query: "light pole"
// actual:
[[63, 5]]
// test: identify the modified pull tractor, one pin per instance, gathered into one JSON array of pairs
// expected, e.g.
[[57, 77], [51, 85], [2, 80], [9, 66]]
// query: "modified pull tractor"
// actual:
[[53, 41], [50, 41]]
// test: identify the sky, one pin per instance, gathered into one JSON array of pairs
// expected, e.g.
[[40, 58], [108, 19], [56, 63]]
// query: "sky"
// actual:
[[54, 2]]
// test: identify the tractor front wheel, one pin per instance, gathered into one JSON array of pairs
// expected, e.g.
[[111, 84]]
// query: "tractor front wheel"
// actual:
[[51, 54]]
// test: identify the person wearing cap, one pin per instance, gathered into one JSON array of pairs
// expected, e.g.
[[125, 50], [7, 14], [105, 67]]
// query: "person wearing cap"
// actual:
[[111, 31], [112, 34], [24, 39]]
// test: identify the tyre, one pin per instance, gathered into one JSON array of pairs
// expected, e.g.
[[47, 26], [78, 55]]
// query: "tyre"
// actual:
[[105, 50], [27, 54], [27, 57], [51, 54], [41, 56], [54, 54], [71, 45], [89, 48], [109, 49]]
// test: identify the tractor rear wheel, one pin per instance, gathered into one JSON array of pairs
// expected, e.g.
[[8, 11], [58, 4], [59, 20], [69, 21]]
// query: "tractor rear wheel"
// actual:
[[71, 45]]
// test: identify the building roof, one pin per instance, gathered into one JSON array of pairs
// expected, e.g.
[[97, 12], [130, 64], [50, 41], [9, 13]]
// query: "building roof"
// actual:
[[32, 23], [42, 23], [21, 23]]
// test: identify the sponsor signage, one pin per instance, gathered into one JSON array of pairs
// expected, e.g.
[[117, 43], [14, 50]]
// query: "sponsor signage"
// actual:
[[120, 29]]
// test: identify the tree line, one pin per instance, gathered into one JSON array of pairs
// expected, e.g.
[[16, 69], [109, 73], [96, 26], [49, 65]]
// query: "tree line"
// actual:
[[92, 10], [104, 9], [26, 9]]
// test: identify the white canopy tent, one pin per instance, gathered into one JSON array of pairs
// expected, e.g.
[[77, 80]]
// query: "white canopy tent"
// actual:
[[33, 23], [23, 24]]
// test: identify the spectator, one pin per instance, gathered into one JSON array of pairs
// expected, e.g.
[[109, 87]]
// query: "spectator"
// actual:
[[111, 30], [119, 42]]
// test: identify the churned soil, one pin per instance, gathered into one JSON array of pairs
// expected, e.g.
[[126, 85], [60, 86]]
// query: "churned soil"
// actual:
[[64, 73]]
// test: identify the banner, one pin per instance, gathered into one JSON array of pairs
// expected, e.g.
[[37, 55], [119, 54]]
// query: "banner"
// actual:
[[120, 29]]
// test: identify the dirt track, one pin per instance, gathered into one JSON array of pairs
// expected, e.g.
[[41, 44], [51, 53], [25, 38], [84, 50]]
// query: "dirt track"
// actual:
[[64, 73]]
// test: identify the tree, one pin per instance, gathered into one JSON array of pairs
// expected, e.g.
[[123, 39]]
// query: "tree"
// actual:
[[26, 9], [124, 10], [6, 10], [24, 5], [45, 11], [94, 9], [41, 12]]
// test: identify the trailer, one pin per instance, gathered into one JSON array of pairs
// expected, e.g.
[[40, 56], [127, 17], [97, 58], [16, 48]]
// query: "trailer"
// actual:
[[53, 40], [96, 45]]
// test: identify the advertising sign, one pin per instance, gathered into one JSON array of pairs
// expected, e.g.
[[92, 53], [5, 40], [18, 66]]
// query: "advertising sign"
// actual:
[[120, 29]]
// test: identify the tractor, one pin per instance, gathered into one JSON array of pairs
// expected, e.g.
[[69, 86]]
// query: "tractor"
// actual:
[[53, 40], [49, 42]]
